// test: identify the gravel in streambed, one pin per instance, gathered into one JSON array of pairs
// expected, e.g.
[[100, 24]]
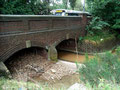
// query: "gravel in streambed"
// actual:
[[27, 66]]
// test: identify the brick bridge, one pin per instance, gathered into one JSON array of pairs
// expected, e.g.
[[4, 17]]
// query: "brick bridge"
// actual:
[[18, 32]]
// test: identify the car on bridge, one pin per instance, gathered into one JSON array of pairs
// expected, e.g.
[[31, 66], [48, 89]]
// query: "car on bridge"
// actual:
[[65, 12]]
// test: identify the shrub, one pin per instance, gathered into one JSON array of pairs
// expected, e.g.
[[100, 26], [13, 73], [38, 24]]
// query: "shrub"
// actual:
[[22, 7], [108, 11], [105, 66], [104, 85], [96, 26]]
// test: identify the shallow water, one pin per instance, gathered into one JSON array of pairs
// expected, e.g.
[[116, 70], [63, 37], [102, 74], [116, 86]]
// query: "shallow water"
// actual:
[[64, 83], [72, 57]]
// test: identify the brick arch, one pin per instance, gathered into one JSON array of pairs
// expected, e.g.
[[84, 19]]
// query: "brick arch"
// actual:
[[63, 39], [16, 48], [67, 44]]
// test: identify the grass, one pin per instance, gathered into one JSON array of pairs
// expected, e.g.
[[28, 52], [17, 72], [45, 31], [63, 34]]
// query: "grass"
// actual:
[[104, 85], [10, 84], [7, 84]]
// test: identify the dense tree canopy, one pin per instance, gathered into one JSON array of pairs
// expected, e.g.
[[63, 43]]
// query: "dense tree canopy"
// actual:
[[34, 6], [72, 3], [78, 5], [23, 7], [107, 10]]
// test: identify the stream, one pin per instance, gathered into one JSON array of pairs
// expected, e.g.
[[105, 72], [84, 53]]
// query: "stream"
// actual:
[[72, 57]]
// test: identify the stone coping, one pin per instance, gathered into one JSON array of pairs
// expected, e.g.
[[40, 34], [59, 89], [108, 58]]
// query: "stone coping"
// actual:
[[1, 15]]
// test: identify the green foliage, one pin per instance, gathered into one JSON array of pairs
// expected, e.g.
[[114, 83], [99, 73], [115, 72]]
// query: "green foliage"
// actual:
[[117, 24], [7, 84], [65, 4], [23, 7], [106, 66], [78, 5], [107, 10], [104, 85], [88, 73], [96, 26], [72, 3], [10, 84], [118, 51], [56, 6]]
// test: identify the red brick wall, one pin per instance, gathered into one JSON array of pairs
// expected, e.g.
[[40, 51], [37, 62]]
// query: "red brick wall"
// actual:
[[40, 31]]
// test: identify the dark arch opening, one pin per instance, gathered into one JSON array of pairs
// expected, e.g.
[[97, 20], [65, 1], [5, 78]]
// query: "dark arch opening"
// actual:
[[69, 44], [19, 63], [27, 51], [65, 47]]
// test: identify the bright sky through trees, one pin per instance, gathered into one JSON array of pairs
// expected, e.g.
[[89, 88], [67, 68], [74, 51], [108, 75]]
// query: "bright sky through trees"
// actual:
[[83, 4], [83, 1]]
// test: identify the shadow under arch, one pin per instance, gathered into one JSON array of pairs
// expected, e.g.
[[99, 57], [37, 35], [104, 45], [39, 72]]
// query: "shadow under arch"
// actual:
[[15, 50], [32, 56], [18, 47], [67, 44], [24, 51]]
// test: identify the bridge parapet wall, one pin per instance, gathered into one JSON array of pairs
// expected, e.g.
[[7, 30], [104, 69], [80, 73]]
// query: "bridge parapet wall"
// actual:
[[12, 24]]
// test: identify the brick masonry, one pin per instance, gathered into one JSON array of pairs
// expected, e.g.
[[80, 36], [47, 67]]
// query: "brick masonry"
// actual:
[[24, 31]]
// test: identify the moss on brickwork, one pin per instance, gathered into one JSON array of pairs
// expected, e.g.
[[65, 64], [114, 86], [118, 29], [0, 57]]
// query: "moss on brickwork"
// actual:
[[52, 53]]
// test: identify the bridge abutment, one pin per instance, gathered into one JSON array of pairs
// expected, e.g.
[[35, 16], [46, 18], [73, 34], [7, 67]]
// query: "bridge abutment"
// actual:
[[52, 53]]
